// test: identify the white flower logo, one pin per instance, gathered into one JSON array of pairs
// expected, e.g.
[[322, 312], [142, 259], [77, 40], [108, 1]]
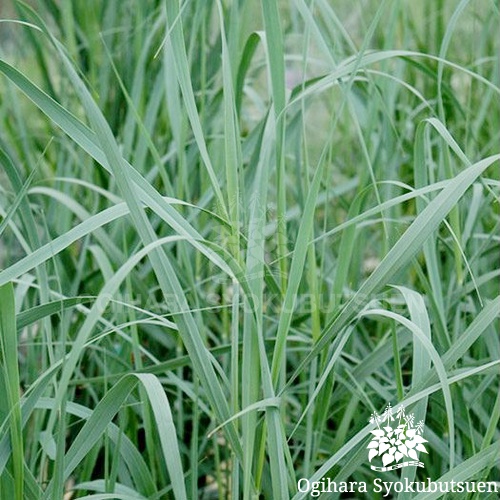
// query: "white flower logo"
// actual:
[[392, 444]]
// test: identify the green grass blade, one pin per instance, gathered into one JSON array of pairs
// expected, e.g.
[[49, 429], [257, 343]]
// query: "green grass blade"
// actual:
[[176, 36], [296, 271], [402, 252], [10, 375]]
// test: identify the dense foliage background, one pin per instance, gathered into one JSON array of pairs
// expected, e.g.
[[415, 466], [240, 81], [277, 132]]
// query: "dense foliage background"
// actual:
[[231, 231]]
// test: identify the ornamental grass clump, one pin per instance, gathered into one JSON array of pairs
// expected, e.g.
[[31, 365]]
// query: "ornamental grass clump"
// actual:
[[232, 231]]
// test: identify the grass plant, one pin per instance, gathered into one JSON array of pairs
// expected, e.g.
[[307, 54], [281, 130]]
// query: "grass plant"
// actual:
[[230, 231]]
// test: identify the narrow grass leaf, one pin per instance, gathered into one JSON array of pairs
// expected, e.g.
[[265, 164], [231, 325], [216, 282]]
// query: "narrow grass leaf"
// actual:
[[402, 252], [10, 374]]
